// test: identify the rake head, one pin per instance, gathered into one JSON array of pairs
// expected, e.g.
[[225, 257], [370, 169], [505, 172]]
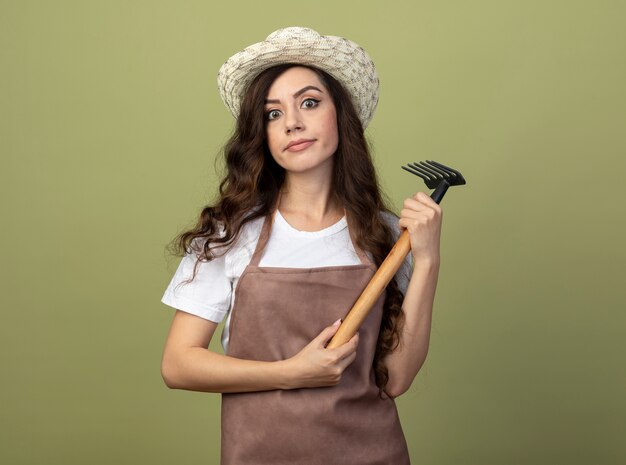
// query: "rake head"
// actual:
[[436, 176]]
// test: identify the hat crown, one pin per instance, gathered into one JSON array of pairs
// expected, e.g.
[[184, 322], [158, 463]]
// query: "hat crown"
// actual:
[[291, 33]]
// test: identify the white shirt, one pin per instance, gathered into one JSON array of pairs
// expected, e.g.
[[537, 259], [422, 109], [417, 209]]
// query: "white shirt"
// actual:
[[212, 292]]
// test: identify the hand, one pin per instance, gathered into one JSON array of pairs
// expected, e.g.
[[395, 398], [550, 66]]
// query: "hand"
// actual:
[[421, 216], [316, 366]]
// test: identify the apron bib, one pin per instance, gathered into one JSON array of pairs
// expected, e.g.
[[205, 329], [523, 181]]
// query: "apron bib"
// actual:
[[277, 312]]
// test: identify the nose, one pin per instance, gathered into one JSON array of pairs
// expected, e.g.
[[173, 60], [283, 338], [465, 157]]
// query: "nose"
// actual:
[[293, 122]]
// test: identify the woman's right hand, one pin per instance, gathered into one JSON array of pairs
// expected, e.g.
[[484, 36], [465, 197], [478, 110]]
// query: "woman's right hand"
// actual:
[[316, 366]]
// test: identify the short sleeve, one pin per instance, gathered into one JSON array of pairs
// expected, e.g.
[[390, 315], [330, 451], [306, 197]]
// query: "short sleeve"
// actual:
[[208, 295], [403, 275]]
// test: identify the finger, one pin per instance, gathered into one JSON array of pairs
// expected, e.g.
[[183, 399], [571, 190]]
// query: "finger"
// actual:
[[344, 363], [423, 212], [327, 333], [345, 350], [414, 214], [426, 200], [410, 223], [421, 202], [414, 204]]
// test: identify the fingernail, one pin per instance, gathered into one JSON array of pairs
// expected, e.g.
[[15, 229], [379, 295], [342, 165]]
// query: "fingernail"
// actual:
[[337, 322]]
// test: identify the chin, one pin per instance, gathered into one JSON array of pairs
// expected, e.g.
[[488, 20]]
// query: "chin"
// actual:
[[309, 165]]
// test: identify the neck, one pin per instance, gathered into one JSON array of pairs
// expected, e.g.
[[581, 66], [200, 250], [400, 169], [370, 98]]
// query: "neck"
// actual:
[[306, 201]]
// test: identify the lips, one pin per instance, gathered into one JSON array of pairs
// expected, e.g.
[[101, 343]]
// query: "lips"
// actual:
[[298, 145]]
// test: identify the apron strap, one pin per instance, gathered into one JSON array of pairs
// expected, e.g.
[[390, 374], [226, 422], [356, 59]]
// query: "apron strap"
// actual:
[[263, 238], [365, 260]]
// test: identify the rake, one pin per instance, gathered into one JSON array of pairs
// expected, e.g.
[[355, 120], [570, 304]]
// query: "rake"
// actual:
[[436, 176]]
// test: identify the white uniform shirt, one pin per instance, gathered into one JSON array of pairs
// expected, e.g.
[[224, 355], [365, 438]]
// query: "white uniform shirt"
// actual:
[[211, 294]]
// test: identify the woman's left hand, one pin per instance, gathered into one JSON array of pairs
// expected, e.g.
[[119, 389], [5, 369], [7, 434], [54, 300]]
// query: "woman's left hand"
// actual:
[[421, 216]]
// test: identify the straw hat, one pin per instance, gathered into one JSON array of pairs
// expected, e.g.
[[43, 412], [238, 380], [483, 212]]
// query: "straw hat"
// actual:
[[339, 57]]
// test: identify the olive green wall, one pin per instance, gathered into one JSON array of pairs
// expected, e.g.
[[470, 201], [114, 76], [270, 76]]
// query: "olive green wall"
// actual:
[[110, 121]]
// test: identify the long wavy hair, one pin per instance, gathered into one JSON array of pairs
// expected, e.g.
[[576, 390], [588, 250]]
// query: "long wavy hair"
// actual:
[[252, 182]]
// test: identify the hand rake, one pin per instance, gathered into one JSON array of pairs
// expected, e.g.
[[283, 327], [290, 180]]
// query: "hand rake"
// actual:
[[436, 176]]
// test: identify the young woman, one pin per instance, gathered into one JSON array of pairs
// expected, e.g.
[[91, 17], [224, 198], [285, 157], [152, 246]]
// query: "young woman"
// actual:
[[295, 236]]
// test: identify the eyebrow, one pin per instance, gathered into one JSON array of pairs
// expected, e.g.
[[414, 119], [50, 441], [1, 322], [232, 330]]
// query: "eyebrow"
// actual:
[[297, 94]]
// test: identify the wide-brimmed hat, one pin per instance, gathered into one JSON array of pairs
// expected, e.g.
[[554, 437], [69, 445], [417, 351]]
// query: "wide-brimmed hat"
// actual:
[[341, 58]]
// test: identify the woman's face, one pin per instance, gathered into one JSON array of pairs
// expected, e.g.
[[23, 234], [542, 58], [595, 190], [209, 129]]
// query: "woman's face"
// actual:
[[301, 121]]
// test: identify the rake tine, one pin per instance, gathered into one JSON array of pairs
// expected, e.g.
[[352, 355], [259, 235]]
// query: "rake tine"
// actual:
[[436, 172], [436, 176], [429, 176], [417, 173], [445, 173], [454, 173]]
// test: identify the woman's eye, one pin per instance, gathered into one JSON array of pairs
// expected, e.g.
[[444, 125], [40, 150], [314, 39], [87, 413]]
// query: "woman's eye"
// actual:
[[272, 114], [310, 103]]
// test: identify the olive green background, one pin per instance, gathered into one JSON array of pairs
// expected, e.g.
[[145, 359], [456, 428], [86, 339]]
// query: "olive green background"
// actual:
[[111, 120]]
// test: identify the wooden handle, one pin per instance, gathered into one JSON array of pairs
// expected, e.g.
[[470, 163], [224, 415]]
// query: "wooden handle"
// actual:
[[361, 308]]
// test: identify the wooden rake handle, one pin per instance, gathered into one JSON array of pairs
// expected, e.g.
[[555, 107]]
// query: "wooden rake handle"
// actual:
[[436, 176], [361, 308]]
